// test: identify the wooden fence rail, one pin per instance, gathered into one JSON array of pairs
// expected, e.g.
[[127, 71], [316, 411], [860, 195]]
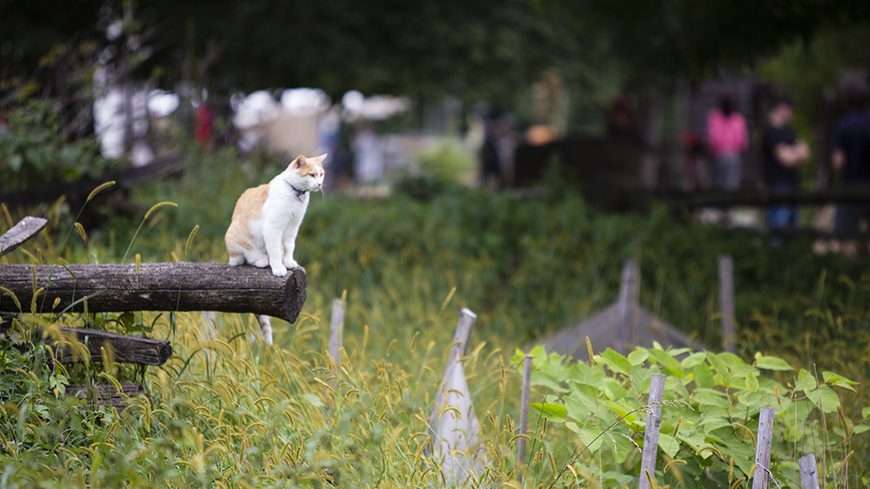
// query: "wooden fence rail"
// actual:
[[124, 349], [152, 287]]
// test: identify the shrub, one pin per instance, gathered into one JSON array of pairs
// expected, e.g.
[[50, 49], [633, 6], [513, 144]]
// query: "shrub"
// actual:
[[35, 150]]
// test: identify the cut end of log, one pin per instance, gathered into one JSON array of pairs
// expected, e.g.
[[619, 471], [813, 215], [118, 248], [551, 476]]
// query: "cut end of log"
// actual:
[[295, 293]]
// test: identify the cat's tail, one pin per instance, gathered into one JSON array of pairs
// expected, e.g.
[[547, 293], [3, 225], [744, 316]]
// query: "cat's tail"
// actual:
[[265, 328]]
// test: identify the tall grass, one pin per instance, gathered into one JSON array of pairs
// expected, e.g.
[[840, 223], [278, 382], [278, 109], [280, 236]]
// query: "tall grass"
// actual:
[[232, 413]]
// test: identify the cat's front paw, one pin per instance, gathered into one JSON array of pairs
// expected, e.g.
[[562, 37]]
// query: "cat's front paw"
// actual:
[[290, 263], [279, 270]]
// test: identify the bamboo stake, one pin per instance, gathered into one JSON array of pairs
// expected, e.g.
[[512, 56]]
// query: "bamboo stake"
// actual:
[[761, 478], [651, 434], [726, 303], [336, 331], [628, 292], [524, 415], [809, 472]]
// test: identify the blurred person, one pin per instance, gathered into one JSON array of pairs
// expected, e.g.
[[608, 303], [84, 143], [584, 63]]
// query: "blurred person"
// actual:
[[695, 177], [727, 138], [205, 126], [781, 154], [494, 151], [851, 156], [368, 154]]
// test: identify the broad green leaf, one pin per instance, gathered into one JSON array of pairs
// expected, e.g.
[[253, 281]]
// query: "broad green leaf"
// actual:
[[713, 423], [771, 363], [755, 400], [670, 364], [694, 360], [669, 444], [710, 397], [751, 381], [838, 380], [518, 357], [824, 398], [623, 409], [805, 381], [703, 376], [616, 479], [860, 428], [720, 368], [698, 443], [613, 389], [583, 374], [552, 411], [582, 401], [638, 356], [865, 413], [615, 361], [735, 364], [540, 378], [591, 439], [618, 445]]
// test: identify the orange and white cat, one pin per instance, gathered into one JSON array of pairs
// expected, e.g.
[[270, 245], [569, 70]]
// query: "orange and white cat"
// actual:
[[266, 220]]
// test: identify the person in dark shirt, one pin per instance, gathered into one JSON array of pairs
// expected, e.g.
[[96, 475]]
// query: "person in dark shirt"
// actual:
[[852, 157], [781, 154]]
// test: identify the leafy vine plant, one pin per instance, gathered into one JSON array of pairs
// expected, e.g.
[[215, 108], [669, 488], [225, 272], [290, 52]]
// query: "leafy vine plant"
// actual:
[[709, 415]]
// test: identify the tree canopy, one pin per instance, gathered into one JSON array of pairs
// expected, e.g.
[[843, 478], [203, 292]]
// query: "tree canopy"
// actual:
[[470, 48]]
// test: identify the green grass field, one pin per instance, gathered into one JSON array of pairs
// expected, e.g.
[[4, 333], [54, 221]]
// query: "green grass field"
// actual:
[[232, 413]]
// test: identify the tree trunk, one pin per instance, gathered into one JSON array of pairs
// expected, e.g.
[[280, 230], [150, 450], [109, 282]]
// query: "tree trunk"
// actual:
[[155, 287]]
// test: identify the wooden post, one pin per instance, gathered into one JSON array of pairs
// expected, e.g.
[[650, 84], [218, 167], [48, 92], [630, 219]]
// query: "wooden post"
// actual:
[[336, 330], [524, 415], [651, 433], [154, 287], [809, 472], [761, 478], [21, 232], [726, 303], [628, 292]]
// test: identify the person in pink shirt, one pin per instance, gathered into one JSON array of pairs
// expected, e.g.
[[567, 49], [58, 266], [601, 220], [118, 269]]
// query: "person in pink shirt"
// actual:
[[727, 138]]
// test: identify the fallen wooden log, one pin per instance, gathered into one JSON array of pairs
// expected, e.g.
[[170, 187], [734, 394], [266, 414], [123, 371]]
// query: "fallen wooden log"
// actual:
[[154, 287], [106, 394], [125, 349]]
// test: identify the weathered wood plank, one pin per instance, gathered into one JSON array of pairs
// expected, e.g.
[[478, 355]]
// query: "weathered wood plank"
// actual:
[[761, 477], [155, 287], [20, 233], [651, 434], [125, 349], [106, 394]]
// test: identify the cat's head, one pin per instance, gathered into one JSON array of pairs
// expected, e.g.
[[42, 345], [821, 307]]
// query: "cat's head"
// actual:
[[306, 174]]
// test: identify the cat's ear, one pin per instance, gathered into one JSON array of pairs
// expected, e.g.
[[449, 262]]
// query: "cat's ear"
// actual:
[[297, 162], [318, 160]]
